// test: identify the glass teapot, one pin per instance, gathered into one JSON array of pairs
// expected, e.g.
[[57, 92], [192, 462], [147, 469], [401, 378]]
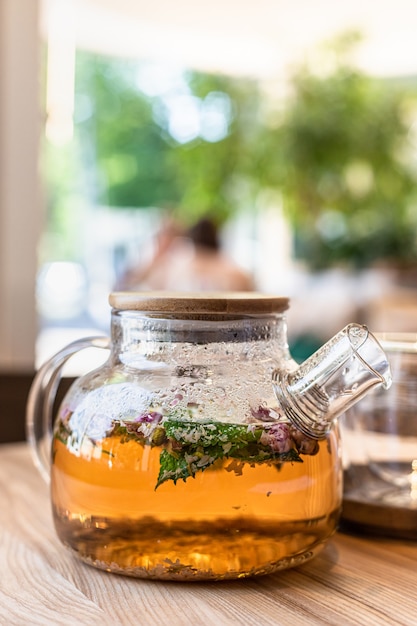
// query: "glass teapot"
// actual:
[[200, 449]]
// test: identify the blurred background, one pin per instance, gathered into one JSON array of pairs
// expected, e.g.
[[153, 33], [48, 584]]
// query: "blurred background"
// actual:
[[291, 125]]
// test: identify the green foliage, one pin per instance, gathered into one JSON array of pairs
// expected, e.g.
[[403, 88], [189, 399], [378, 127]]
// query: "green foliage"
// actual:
[[128, 152], [65, 203], [338, 150], [139, 163], [342, 157]]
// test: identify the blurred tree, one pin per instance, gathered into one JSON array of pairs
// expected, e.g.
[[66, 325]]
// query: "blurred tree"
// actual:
[[181, 147], [123, 147], [339, 150], [342, 154]]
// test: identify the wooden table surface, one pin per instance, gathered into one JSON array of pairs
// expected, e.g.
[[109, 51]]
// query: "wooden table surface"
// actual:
[[354, 580]]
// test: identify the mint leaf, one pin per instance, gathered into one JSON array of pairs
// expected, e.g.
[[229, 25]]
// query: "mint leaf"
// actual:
[[172, 467], [189, 447], [263, 455], [195, 447], [211, 433]]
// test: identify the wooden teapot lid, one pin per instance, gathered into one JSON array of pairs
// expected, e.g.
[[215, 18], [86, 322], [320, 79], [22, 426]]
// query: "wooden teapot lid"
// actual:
[[201, 303]]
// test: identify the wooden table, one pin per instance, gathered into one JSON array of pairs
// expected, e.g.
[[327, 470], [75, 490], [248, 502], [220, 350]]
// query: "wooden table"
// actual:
[[354, 580]]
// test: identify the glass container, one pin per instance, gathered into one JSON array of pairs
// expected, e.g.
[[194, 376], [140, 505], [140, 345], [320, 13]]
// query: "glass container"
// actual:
[[178, 459]]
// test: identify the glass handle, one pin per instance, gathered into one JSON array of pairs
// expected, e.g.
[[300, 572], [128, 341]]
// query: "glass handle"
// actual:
[[39, 409]]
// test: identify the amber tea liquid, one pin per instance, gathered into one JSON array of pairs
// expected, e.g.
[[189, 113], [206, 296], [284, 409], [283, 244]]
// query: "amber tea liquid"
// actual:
[[219, 524]]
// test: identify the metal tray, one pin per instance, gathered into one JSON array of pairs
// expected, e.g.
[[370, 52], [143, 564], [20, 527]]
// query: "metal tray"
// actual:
[[372, 506]]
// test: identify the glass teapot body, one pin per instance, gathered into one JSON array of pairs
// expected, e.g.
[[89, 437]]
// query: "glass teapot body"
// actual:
[[174, 461]]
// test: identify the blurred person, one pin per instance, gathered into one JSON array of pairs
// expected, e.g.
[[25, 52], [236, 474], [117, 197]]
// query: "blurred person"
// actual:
[[192, 261], [134, 277]]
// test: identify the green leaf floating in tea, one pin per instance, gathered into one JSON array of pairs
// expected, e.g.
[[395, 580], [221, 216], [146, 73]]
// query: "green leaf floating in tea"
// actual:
[[188, 446], [195, 447]]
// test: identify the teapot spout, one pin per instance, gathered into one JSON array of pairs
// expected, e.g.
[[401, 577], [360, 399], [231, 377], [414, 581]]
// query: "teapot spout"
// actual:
[[334, 378]]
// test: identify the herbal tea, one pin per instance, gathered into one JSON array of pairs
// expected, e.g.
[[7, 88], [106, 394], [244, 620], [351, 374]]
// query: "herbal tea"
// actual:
[[166, 497]]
